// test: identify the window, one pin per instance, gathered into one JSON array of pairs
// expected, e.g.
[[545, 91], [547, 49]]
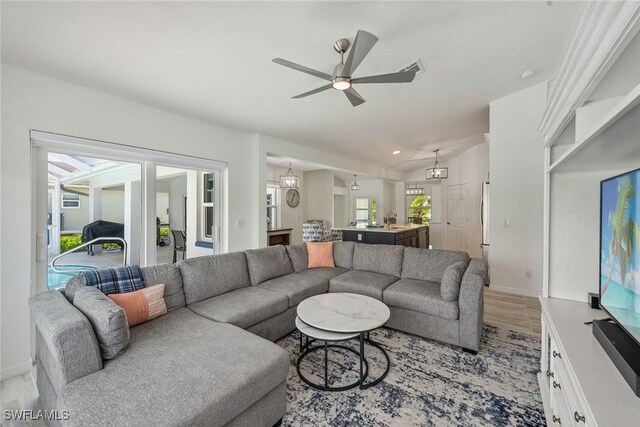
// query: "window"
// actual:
[[419, 209], [273, 198], [70, 201], [366, 210], [208, 198]]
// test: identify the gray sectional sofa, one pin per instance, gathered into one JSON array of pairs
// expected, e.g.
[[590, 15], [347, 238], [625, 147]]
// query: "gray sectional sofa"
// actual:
[[211, 360]]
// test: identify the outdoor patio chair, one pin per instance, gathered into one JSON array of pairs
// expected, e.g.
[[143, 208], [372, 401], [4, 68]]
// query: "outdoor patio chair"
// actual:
[[179, 243]]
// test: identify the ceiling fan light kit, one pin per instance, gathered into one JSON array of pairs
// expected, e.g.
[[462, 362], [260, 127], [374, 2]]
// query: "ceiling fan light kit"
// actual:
[[437, 172], [290, 180], [342, 79]]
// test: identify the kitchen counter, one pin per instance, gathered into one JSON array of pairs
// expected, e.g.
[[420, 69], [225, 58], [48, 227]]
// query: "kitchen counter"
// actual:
[[394, 228], [412, 235]]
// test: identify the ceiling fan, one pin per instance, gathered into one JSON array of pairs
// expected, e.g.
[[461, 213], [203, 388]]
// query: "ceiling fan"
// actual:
[[341, 79]]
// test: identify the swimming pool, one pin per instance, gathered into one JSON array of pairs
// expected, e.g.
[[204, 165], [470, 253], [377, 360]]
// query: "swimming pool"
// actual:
[[58, 279]]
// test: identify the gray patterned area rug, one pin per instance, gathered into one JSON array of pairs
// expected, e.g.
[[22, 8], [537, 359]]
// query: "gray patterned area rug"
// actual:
[[429, 384]]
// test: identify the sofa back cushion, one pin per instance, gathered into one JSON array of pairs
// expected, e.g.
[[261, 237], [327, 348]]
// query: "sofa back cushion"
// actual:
[[383, 259], [429, 264], [451, 280], [107, 318], [343, 254], [169, 275], [298, 256], [268, 263], [208, 276]]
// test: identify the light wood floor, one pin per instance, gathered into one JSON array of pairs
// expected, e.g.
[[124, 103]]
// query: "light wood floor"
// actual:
[[513, 312]]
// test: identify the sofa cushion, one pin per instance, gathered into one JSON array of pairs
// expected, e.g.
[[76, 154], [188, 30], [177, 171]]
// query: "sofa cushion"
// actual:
[[383, 259], [169, 275], [298, 256], [320, 254], [297, 286], [451, 279], [243, 307], [429, 264], [208, 276], [421, 296], [188, 370], [109, 320], [343, 254], [268, 263], [361, 282], [327, 273]]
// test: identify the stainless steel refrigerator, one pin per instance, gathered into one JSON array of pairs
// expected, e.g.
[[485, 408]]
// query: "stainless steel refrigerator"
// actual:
[[484, 220]]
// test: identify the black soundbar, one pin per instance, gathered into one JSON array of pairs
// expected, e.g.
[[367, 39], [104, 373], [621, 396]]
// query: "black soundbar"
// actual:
[[622, 349]]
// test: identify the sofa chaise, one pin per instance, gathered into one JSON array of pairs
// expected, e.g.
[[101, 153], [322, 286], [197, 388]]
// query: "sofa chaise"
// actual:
[[211, 359]]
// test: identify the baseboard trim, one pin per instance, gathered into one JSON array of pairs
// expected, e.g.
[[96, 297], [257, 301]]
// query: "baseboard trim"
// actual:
[[17, 369], [515, 291]]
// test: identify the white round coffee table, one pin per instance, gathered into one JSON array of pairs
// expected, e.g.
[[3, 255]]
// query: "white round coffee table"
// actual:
[[336, 317]]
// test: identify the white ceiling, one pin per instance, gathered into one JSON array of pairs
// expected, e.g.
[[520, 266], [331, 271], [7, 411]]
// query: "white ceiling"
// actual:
[[212, 61]]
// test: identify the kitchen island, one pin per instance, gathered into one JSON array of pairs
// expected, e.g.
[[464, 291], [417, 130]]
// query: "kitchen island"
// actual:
[[412, 235]]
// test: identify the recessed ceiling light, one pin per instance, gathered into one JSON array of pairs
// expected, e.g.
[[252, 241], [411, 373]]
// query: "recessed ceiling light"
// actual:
[[396, 152], [527, 74]]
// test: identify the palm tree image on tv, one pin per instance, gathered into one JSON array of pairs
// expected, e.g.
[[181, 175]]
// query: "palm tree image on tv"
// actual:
[[625, 230], [619, 252]]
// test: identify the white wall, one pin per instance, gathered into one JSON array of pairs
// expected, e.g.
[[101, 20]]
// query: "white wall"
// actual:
[[113, 205], [289, 217], [517, 172], [34, 101], [178, 189], [318, 195]]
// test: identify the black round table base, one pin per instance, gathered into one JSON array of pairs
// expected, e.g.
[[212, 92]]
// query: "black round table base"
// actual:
[[326, 386], [364, 364]]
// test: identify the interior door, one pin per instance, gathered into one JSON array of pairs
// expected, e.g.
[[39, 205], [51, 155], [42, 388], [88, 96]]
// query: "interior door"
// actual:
[[458, 217]]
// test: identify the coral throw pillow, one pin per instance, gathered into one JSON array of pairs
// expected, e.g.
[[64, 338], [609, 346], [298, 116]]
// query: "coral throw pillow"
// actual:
[[320, 254], [142, 305]]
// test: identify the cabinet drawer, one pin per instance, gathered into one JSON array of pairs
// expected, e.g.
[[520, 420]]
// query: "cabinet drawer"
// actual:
[[578, 415], [561, 412]]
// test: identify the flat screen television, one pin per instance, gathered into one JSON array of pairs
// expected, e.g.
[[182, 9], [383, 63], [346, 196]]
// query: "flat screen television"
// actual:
[[620, 251]]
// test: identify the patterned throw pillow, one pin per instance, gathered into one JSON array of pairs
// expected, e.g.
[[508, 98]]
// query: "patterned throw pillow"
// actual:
[[320, 254], [143, 305]]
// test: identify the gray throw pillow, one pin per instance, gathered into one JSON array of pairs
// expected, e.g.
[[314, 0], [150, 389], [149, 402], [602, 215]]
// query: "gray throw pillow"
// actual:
[[298, 256], [73, 285], [268, 263], [451, 280], [108, 319]]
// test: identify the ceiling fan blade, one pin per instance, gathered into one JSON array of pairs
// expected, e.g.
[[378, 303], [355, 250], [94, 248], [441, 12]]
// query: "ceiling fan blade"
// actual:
[[304, 69], [311, 92], [361, 47], [401, 77], [354, 97]]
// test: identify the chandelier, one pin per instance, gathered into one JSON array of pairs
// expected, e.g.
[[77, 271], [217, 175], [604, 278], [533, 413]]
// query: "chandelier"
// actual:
[[436, 172], [355, 186], [289, 180]]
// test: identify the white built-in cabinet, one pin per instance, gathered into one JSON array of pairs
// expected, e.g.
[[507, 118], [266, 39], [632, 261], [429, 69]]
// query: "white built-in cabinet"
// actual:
[[579, 384], [591, 127]]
